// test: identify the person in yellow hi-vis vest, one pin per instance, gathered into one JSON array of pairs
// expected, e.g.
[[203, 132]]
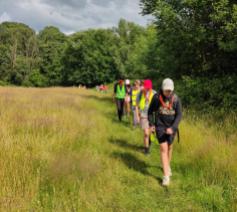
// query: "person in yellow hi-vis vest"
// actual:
[[143, 102], [119, 96], [134, 94]]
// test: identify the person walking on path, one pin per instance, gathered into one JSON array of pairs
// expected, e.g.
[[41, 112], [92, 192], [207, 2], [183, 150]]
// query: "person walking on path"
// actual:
[[134, 94], [167, 108], [143, 101], [128, 98], [119, 96]]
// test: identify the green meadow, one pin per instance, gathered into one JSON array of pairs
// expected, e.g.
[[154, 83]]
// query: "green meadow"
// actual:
[[62, 149]]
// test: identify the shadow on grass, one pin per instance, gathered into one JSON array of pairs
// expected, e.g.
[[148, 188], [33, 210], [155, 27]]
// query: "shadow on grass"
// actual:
[[125, 144], [132, 162], [111, 115], [105, 99], [124, 122]]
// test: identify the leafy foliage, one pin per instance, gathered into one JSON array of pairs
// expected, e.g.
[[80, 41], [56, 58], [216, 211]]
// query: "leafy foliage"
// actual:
[[196, 45], [193, 42]]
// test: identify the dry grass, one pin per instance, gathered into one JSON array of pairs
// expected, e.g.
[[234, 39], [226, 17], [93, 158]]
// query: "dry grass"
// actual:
[[63, 150]]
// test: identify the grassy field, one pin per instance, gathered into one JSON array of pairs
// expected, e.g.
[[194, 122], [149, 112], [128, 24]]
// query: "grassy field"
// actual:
[[62, 149]]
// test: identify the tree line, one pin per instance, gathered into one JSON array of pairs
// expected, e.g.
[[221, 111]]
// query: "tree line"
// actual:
[[92, 57], [193, 42]]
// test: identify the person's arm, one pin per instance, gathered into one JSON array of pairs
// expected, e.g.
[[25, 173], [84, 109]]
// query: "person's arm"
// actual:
[[137, 105], [152, 108], [130, 94], [178, 117]]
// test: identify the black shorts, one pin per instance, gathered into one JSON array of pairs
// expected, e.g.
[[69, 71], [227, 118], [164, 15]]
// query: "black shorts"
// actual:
[[163, 137]]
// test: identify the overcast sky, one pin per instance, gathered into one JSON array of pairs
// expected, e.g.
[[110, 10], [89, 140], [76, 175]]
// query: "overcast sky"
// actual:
[[71, 15]]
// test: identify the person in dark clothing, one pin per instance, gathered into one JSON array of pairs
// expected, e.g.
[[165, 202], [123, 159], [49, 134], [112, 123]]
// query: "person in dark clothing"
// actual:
[[127, 100], [119, 96], [167, 109]]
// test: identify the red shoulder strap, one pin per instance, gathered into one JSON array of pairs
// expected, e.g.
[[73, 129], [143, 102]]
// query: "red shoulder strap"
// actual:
[[163, 103]]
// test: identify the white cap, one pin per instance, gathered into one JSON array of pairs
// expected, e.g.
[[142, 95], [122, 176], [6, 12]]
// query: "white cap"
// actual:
[[127, 82], [168, 84]]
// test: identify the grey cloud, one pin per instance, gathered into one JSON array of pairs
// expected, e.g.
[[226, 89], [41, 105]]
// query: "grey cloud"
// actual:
[[71, 15], [104, 3], [70, 3]]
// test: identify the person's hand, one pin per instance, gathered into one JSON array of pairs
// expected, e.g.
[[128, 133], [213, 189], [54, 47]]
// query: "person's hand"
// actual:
[[152, 129], [169, 131]]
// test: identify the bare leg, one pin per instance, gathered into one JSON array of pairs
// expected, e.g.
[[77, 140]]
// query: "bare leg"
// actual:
[[129, 109], [170, 151], [164, 158], [146, 137]]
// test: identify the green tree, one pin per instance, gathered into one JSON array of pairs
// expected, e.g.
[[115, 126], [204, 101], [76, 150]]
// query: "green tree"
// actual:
[[132, 42], [52, 44], [91, 58], [195, 37], [138, 63], [19, 52]]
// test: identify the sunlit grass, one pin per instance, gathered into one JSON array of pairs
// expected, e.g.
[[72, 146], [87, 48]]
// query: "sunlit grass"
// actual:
[[63, 149]]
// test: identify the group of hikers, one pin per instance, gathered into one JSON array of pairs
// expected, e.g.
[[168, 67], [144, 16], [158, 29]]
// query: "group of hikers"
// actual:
[[102, 88], [157, 112]]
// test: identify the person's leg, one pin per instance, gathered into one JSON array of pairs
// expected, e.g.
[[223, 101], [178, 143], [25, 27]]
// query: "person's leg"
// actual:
[[146, 137], [134, 117], [146, 140], [122, 108], [128, 108], [125, 106], [119, 108], [164, 148], [170, 151]]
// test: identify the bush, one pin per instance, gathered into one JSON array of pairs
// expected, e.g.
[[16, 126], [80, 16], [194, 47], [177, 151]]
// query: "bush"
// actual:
[[37, 79], [206, 94]]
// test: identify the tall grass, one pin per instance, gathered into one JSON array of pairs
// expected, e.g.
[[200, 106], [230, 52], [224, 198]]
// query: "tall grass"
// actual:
[[62, 149]]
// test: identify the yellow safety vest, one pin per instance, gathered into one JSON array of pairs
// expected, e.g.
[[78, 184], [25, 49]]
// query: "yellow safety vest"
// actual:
[[121, 92], [142, 103], [134, 97]]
